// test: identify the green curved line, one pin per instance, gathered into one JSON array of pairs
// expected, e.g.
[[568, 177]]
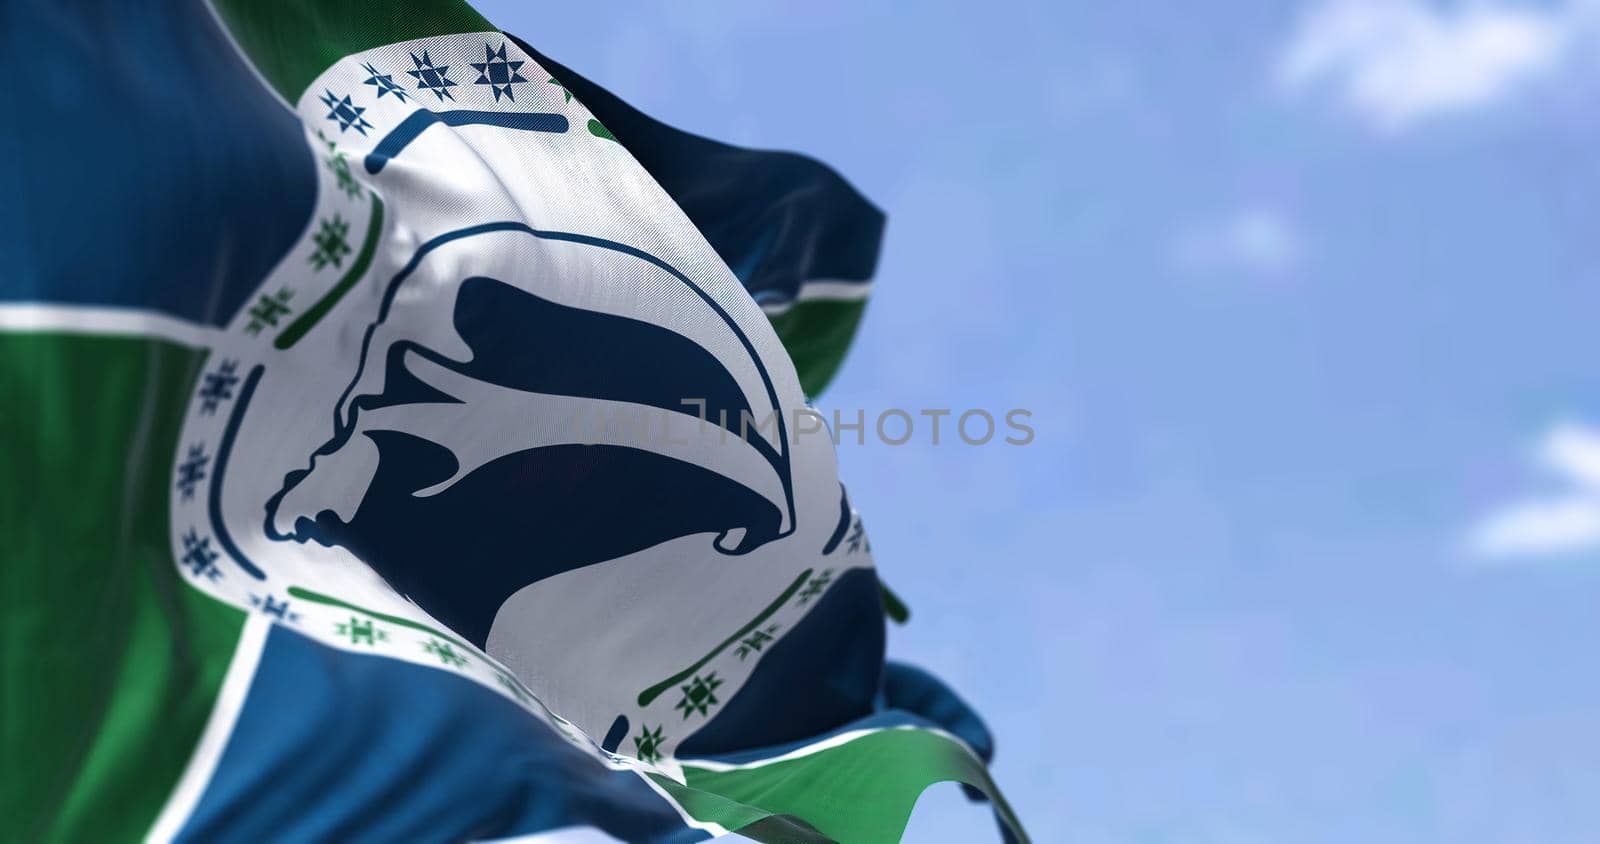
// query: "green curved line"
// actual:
[[893, 607], [655, 691], [369, 247], [861, 790], [598, 129]]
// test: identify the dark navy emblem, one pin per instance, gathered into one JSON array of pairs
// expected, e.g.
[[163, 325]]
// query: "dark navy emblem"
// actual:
[[459, 468]]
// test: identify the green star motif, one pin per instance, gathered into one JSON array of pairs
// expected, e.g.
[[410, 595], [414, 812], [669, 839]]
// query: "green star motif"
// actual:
[[331, 243], [648, 744], [512, 685], [757, 640], [267, 310], [858, 539], [340, 166], [816, 586], [445, 653], [563, 88], [361, 632], [699, 695]]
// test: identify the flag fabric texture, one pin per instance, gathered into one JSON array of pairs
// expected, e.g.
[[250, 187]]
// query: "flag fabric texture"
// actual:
[[404, 439]]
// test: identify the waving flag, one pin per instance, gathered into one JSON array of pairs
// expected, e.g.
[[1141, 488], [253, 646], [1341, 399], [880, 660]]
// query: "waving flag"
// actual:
[[406, 440]]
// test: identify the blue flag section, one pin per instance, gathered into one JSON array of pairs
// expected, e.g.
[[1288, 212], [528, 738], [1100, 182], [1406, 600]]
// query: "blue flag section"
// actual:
[[444, 761], [148, 169], [411, 440]]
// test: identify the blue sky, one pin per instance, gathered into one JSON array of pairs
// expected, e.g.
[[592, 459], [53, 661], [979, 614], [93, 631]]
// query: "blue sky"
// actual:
[[1302, 296]]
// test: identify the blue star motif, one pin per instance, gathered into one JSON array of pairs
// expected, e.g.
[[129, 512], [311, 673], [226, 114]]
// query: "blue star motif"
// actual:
[[198, 556], [384, 83], [345, 113], [432, 78], [274, 607], [498, 73], [192, 471]]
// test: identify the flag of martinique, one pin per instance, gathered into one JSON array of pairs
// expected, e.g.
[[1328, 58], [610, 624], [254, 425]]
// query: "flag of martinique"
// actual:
[[403, 439]]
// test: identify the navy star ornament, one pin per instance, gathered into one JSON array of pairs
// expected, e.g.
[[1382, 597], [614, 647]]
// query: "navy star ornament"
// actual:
[[344, 112], [432, 78], [497, 72]]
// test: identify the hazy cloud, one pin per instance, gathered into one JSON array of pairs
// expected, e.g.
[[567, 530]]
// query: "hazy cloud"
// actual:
[[1559, 523], [1397, 62], [1258, 240]]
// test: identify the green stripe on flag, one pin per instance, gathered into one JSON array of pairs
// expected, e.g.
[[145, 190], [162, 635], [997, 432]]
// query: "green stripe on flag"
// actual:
[[291, 42], [862, 790], [817, 333], [111, 661], [752, 823]]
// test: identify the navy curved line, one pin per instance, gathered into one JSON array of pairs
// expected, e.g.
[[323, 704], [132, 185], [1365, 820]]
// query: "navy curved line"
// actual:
[[615, 735], [408, 130], [224, 450], [343, 430], [844, 523]]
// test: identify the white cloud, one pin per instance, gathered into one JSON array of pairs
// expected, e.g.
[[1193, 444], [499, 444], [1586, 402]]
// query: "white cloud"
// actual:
[[1259, 240], [1574, 451], [1397, 62], [1562, 523]]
